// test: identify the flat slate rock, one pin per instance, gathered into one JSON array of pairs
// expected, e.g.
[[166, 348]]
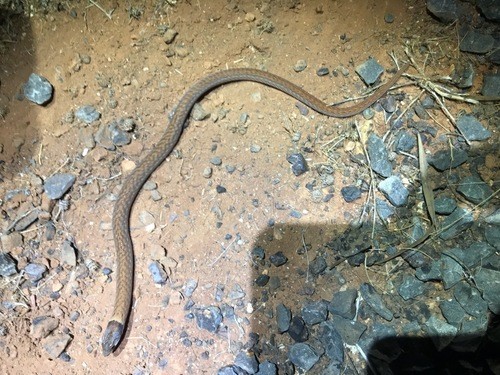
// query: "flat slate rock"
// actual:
[[57, 185], [476, 42], [370, 71], [446, 159], [460, 220], [375, 301], [491, 85], [472, 129], [379, 157], [474, 189], [303, 356]]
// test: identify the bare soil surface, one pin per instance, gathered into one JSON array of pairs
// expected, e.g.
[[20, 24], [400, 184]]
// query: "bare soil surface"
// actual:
[[122, 66]]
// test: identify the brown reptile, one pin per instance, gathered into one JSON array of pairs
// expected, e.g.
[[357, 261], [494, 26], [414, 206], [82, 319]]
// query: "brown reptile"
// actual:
[[133, 184]]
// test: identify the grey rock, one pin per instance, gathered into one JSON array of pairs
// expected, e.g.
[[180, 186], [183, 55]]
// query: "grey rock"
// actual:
[[150, 185], [27, 219], [169, 36], [236, 292], [490, 9], [494, 218], [157, 272], [488, 281], [420, 111], [35, 271], [298, 330], [299, 164], [389, 18], [323, 71], [492, 235], [55, 345], [317, 266], [379, 157], [87, 114], [472, 129], [216, 161], [57, 185], [452, 312], [303, 356], [411, 288], [470, 299], [474, 189], [423, 127], [368, 113], [199, 113], [267, 368], [474, 255], [476, 42], [38, 89], [262, 280], [68, 254], [42, 326], [283, 318], [446, 11], [369, 71], [374, 300], [258, 253], [405, 142], [445, 205], [384, 209], [460, 220], [350, 330], [343, 303], [332, 342], [229, 370], [189, 287], [429, 271], [446, 159], [491, 85], [350, 193], [389, 104], [118, 136], [208, 318], [463, 76], [314, 312], [300, 65], [451, 272], [428, 102], [247, 361], [278, 259], [254, 149], [394, 191], [7, 265], [103, 137], [441, 333]]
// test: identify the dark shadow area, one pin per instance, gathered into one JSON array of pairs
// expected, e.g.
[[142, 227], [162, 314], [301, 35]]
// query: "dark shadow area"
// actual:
[[19, 134], [305, 268], [466, 354]]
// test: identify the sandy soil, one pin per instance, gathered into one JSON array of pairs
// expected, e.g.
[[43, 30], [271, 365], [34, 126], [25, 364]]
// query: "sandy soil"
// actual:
[[131, 63]]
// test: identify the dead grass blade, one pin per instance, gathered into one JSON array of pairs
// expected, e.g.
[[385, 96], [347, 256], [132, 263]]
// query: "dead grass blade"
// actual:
[[424, 180]]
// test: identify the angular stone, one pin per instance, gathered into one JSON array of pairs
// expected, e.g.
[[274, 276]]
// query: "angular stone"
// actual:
[[38, 89]]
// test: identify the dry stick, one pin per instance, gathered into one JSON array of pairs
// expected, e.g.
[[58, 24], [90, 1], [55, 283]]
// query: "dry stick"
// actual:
[[108, 14], [372, 177], [307, 256], [424, 181]]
